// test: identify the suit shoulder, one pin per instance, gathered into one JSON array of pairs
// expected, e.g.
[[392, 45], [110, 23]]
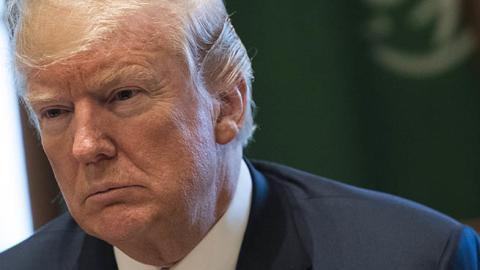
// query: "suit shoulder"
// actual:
[[308, 189], [52, 244], [333, 216]]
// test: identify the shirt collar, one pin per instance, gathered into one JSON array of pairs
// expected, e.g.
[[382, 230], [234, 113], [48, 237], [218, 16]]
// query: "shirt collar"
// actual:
[[219, 249]]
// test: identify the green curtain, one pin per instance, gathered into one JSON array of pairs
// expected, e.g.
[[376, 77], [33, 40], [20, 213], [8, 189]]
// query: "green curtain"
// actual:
[[382, 94]]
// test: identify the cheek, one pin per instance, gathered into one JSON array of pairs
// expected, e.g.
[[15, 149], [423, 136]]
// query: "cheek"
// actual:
[[64, 167], [175, 149], [58, 152], [175, 135]]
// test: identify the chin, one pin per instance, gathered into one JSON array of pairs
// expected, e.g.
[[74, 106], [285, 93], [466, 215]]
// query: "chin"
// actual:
[[116, 224]]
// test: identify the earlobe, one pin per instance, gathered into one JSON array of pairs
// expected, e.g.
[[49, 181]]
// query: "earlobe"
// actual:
[[226, 131], [231, 116]]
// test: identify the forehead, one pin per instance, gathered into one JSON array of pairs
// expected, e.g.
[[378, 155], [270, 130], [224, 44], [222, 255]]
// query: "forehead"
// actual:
[[94, 70], [135, 47], [55, 30]]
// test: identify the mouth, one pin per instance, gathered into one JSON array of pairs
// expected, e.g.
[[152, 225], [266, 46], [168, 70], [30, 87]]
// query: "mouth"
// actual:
[[109, 191]]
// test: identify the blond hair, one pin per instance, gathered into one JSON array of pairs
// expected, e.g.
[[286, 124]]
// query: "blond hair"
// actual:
[[215, 56]]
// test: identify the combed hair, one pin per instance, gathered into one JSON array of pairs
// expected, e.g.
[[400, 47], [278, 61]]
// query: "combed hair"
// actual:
[[215, 56]]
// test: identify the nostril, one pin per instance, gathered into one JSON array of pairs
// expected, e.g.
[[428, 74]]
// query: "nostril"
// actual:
[[99, 158]]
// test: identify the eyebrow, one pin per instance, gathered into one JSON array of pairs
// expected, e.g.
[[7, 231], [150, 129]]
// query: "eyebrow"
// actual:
[[115, 76], [101, 80], [43, 98]]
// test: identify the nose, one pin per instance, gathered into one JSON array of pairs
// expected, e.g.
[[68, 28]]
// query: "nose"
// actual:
[[91, 143]]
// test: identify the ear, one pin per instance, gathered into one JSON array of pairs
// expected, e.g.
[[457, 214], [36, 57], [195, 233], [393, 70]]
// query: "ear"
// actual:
[[232, 113]]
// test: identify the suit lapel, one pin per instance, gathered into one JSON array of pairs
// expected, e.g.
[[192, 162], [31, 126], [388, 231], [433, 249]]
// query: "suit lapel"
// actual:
[[96, 255], [271, 240]]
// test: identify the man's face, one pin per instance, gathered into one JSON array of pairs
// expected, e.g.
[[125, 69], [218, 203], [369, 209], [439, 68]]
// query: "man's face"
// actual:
[[130, 140]]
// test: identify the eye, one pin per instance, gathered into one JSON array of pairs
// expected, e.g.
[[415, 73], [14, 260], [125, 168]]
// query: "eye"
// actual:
[[53, 113], [124, 94], [127, 100]]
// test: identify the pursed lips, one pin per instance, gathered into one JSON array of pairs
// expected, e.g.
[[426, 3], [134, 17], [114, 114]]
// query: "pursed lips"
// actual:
[[104, 188]]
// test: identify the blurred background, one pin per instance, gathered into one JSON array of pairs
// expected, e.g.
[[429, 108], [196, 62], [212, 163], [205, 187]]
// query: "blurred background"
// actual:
[[382, 94]]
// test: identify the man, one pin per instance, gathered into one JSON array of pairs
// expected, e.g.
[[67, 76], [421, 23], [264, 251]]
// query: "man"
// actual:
[[143, 108]]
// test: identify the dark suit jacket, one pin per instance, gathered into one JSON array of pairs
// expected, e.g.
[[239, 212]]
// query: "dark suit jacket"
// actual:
[[297, 221]]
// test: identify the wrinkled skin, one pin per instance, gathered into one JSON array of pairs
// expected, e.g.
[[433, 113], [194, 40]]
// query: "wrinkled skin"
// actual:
[[142, 160]]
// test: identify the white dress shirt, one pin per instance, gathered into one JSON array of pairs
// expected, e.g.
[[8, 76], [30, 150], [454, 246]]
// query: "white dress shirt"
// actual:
[[219, 249]]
